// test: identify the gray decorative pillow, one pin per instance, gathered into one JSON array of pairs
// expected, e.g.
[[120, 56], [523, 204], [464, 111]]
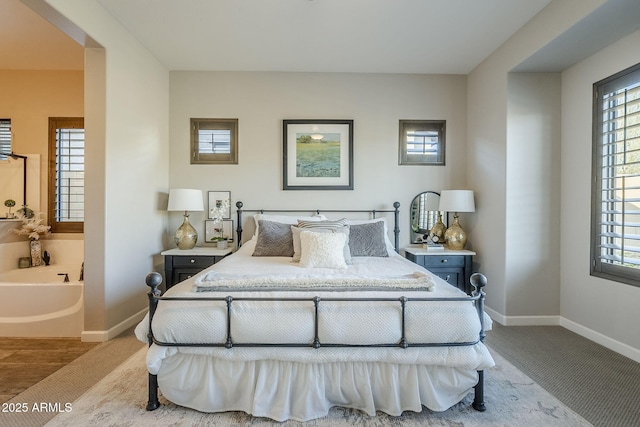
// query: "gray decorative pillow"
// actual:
[[274, 239], [367, 239]]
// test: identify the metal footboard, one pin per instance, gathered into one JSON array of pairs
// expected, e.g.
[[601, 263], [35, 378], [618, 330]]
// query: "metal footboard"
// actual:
[[478, 281]]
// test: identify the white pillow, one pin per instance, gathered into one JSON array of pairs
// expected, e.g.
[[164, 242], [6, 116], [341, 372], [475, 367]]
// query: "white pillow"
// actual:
[[297, 250], [322, 249], [285, 219]]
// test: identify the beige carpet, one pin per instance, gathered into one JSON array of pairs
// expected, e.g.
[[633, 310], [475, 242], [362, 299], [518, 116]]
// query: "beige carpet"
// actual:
[[512, 399]]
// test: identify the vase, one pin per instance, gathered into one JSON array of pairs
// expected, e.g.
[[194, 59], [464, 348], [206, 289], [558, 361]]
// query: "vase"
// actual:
[[186, 235], [36, 253], [436, 235], [223, 244], [455, 236]]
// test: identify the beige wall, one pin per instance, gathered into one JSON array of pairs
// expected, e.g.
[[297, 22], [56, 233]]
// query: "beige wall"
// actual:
[[127, 110], [491, 146], [29, 98], [601, 309], [517, 148], [376, 102]]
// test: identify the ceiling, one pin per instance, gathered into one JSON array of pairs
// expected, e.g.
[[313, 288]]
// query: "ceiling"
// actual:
[[382, 36]]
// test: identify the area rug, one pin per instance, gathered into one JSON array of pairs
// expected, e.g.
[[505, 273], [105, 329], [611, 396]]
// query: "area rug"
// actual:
[[512, 399]]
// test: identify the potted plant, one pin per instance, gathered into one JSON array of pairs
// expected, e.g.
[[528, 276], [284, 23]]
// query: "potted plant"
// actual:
[[33, 228], [217, 214], [10, 203]]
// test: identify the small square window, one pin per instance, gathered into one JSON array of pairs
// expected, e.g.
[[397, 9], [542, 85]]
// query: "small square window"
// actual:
[[422, 142], [214, 141]]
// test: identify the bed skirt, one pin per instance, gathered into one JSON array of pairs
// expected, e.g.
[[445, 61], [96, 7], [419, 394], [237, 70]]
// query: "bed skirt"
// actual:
[[283, 390]]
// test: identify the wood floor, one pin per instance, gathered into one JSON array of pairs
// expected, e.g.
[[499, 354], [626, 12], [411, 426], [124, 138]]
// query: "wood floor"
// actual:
[[27, 361]]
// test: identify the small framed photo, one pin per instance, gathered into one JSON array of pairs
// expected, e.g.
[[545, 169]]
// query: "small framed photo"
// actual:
[[215, 229], [219, 203], [317, 155]]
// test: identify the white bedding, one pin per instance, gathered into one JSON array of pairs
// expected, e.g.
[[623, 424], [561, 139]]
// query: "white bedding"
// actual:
[[340, 322], [396, 379]]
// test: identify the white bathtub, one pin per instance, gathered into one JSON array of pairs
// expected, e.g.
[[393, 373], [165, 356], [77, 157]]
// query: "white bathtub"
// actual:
[[35, 302]]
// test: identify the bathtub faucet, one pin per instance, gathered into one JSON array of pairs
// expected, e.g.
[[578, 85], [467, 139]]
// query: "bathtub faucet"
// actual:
[[66, 277]]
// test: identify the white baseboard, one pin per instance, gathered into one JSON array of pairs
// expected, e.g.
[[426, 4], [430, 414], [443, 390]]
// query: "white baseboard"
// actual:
[[101, 336], [590, 334], [523, 320], [617, 346]]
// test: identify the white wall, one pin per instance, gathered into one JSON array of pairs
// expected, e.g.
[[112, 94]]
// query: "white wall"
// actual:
[[490, 146], [533, 194], [127, 107], [376, 103], [601, 309]]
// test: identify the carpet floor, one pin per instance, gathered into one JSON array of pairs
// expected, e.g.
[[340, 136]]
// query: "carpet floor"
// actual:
[[512, 399], [598, 384]]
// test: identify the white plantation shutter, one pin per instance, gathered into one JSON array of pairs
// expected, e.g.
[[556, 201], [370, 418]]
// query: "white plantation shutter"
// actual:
[[5, 138], [66, 174], [616, 198]]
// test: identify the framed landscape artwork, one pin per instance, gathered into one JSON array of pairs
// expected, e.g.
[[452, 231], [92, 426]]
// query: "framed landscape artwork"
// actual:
[[317, 154]]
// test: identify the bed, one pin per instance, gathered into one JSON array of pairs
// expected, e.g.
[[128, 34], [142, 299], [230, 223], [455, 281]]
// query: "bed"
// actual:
[[315, 311]]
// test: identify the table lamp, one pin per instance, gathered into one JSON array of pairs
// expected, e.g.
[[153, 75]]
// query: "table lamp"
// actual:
[[186, 200], [456, 201]]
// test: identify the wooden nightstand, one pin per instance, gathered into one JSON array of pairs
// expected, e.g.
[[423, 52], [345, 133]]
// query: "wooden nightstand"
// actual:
[[181, 264], [452, 266]]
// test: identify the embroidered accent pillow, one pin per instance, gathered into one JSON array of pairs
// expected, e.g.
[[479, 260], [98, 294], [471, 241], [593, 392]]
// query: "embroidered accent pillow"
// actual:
[[368, 239], [274, 239], [322, 249], [297, 250]]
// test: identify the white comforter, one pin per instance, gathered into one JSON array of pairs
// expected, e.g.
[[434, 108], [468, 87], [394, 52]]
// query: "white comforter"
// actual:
[[340, 322]]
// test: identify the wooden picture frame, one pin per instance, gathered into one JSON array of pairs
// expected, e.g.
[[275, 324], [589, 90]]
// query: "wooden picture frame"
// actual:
[[214, 141], [317, 154], [211, 230], [214, 199]]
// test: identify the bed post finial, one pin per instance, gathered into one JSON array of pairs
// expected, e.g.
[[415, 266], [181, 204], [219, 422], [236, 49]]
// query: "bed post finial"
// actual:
[[478, 281], [396, 227], [239, 205], [153, 280]]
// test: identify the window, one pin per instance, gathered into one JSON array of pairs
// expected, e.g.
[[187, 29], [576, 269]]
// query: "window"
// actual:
[[214, 141], [422, 142], [615, 236], [5, 138], [66, 174]]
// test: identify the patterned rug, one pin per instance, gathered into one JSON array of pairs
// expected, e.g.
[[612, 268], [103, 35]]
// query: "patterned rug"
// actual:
[[512, 399]]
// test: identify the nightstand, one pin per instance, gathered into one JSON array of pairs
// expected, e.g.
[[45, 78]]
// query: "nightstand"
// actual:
[[453, 266], [180, 264]]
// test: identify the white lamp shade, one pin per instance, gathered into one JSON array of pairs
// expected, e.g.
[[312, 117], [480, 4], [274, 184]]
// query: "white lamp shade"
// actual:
[[181, 199], [457, 201]]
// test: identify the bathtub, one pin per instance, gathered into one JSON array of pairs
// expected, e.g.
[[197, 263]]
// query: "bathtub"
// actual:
[[35, 302]]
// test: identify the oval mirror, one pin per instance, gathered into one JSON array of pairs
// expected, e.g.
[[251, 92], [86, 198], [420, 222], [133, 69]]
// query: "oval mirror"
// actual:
[[423, 214]]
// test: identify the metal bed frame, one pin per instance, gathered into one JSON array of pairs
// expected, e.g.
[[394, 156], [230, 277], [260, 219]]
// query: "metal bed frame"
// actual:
[[477, 297]]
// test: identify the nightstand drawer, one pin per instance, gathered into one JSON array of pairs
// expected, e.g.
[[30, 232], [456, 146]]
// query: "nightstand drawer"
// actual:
[[452, 266], [193, 261], [452, 277], [442, 261]]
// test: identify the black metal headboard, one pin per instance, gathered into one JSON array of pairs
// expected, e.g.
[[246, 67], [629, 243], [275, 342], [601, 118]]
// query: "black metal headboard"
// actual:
[[373, 212]]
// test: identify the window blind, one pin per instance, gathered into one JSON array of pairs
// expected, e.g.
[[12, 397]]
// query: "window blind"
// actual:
[[69, 204], [214, 141], [616, 215], [5, 138]]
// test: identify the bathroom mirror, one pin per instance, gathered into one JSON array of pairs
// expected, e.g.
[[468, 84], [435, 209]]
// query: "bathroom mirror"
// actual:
[[423, 214]]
